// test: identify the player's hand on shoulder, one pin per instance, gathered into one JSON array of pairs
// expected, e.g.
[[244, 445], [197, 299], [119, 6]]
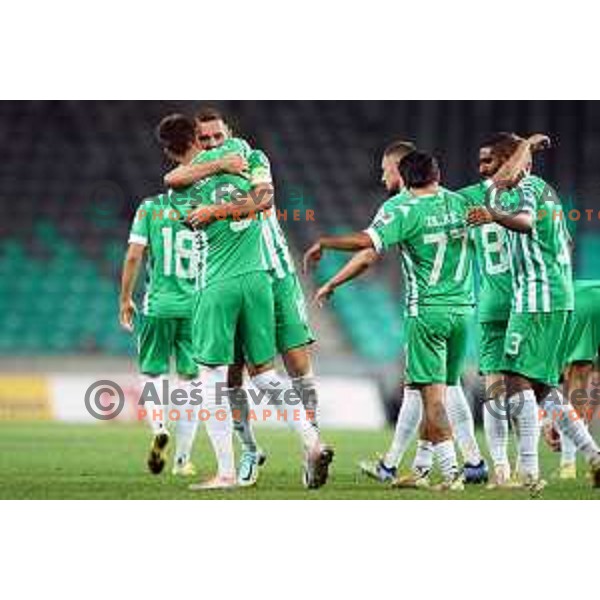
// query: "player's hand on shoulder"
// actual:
[[478, 216], [126, 312], [234, 164], [312, 256]]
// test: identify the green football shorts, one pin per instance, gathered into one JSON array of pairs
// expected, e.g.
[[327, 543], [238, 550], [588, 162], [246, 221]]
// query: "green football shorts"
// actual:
[[159, 339], [583, 339], [491, 346], [241, 306], [535, 345], [292, 329], [436, 344]]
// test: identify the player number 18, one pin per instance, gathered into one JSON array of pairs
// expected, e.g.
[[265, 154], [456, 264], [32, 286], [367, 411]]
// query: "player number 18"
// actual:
[[184, 249]]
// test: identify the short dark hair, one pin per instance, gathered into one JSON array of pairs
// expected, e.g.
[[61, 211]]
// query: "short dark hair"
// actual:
[[176, 133], [400, 148], [502, 143], [419, 169], [208, 113]]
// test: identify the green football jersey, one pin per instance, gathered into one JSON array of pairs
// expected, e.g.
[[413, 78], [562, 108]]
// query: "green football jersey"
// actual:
[[492, 257], [432, 237], [276, 249], [228, 247], [389, 205], [541, 260], [171, 264]]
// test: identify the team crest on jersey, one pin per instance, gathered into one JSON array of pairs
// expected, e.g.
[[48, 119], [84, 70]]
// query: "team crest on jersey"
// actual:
[[383, 218], [222, 192]]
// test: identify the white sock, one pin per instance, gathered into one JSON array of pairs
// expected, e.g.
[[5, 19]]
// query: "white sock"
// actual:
[[446, 457], [407, 424], [568, 450], [186, 426], [424, 457], [241, 425], [461, 421], [495, 424], [278, 390], [156, 414], [306, 388], [570, 425], [524, 407], [218, 424]]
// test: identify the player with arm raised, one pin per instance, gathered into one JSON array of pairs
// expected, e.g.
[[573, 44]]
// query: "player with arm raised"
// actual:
[[292, 330], [537, 329], [459, 412], [234, 301], [494, 301], [164, 326], [430, 230]]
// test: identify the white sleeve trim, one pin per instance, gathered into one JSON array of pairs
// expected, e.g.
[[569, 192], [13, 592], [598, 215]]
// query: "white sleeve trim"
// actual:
[[376, 239], [261, 179], [135, 238], [261, 175]]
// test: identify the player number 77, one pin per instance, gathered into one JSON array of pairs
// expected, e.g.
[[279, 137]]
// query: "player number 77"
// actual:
[[441, 241]]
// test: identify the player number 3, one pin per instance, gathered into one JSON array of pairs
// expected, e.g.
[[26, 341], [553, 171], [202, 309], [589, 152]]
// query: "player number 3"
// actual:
[[514, 343]]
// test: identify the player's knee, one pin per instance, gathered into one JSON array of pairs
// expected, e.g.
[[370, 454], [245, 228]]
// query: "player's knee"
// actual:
[[580, 369], [297, 362]]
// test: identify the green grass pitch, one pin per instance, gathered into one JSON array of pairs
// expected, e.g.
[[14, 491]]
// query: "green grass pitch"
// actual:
[[57, 460]]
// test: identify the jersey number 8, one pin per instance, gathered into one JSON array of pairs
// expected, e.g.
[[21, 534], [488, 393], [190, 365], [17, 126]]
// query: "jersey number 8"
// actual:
[[494, 251]]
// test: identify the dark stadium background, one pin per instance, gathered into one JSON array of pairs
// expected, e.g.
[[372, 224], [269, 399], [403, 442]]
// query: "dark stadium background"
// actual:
[[72, 173]]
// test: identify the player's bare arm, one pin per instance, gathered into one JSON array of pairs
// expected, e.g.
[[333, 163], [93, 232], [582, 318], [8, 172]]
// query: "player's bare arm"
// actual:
[[185, 175], [259, 199], [131, 268], [518, 164], [521, 222], [357, 265], [508, 175], [350, 242]]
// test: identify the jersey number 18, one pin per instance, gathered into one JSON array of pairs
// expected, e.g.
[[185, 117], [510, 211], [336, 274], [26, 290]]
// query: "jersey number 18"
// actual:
[[184, 253]]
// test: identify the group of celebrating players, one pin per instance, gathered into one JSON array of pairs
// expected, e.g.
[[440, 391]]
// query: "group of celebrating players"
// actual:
[[533, 328], [223, 295]]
